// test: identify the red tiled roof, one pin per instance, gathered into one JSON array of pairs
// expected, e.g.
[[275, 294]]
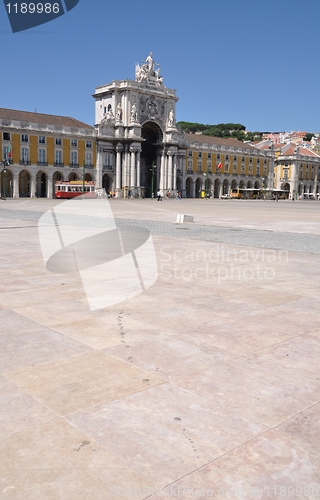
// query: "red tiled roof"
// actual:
[[27, 116]]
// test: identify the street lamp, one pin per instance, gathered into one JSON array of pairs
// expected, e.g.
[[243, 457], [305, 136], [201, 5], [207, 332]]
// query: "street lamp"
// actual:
[[206, 183]]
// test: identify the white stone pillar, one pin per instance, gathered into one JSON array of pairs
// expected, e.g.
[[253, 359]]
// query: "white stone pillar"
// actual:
[[174, 185], [193, 188], [169, 183], [49, 186], [32, 185], [133, 168], [118, 167], [99, 165], [15, 185], [138, 167], [162, 172]]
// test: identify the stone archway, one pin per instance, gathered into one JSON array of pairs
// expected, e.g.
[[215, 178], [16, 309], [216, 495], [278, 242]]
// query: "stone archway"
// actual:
[[225, 186], [107, 183], [257, 185], [24, 184], [87, 177], [73, 177], [234, 184], [6, 186], [199, 187], [153, 136], [41, 185], [189, 183], [217, 187]]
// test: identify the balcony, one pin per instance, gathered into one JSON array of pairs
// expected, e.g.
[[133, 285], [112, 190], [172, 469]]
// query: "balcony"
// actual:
[[88, 165], [25, 162], [109, 168], [179, 171], [189, 171], [58, 164], [42, 163], [74, 165]]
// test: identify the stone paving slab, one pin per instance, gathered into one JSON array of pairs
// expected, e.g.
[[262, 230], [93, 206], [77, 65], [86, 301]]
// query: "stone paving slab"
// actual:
[[206, 383]]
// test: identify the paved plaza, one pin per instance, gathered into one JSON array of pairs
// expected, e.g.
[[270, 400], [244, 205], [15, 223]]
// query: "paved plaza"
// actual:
[[206, 385]]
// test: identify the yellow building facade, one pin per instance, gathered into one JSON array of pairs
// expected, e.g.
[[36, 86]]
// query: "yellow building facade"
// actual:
[[219, 166], [38, 150]]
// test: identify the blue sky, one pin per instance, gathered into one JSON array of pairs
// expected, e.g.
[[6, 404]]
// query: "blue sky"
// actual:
[[249, 62]]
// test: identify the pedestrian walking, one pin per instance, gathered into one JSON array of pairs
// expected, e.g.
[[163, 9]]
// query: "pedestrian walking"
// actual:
[[159, 195]]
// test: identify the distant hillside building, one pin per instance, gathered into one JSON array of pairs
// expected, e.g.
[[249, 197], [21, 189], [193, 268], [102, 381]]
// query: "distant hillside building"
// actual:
[[297, 169]]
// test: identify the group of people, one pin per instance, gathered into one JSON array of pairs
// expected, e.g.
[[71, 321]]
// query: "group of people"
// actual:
[[168, 195]]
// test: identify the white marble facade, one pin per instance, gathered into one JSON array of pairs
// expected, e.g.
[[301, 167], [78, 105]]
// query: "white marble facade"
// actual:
[[139, 147]]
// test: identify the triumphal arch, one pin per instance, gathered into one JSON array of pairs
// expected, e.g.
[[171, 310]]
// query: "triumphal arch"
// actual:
[[140, 149]]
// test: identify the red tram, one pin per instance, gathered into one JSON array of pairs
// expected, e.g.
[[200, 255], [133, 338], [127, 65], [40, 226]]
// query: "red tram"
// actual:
[[71, 189]]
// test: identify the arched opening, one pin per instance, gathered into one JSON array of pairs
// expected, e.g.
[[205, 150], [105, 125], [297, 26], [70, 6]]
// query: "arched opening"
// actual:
[[234, 184], [225, 186], [6, 186], [41, 185], [73, 177], [242, 185], [217, 185], [249, 185], [153, 136], [87, 177], [107, 183], [189, 187], [199, 187], [24, 184], [57, 177], [257, 185]]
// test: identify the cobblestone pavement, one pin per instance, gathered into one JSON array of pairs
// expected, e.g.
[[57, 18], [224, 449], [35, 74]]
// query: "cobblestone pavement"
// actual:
[[307, 243]]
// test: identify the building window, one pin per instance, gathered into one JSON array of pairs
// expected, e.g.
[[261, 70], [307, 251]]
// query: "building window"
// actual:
[[107, 160], [105, 110], [24, 138], [218, 156], [89, 144], [285, 174], [190, 154], [250, 168], [42, 139], [199, 154], [199, 166], [189, 165], [74, 143], [209, 156], [242, 169], [58, 141], [250, 160], [234, 168], [58, 157], [6, 153], [24, 155], [258, 170], [74, 158], [234, 158], [242, 159], [258, 160], [42, 156], [209, 169], [226, 168], [88, 159], [6, 136]]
